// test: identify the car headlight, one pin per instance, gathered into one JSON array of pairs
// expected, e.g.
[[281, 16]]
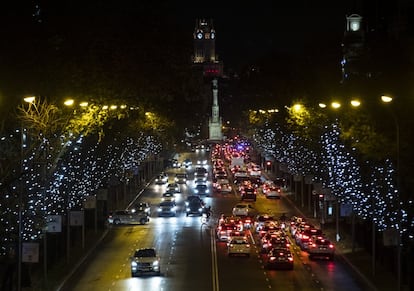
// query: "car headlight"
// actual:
[[159, 209], [200, 209], [186, 203], [155, 263], [195, 191], [134, 264], [207, 191], [188, 209]]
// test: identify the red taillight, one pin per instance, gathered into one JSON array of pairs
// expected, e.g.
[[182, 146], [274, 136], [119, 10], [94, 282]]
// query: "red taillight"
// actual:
[[331, 246], [290, 259], [247, 246]]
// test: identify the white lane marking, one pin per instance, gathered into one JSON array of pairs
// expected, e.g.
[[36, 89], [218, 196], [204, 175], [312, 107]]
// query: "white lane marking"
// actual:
[[214, 265]]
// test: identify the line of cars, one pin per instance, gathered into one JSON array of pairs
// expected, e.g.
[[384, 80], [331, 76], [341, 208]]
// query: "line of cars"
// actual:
[[275, 243], [311, 239]]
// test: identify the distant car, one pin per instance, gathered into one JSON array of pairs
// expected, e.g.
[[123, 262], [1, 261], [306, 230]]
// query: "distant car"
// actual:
[[194, 197], [142, 206], [321, 247], [202, 163], [304, 238], [145, 261], [248, 193], [181, 178], [168, 196], [273, 192], [167, 208], [127, 217], [173, 187], [279, 259], [244, 209], [224, 188], [200, 180], [261, 219], [225, 229], [274, 241], [240, 174], [187, 163], [200, 172], [175, 163], [238, 245], [195, 207], [201, 189], [161, 179]]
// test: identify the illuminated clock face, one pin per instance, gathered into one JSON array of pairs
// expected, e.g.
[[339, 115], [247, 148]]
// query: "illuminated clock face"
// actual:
[[199, 35]]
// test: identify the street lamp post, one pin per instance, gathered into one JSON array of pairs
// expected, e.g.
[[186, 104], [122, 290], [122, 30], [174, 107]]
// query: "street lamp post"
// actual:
[[388, 99], [23, 145]]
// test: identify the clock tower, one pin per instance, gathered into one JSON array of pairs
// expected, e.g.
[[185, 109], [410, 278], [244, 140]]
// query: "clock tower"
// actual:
[[204, 37], [204, 41]]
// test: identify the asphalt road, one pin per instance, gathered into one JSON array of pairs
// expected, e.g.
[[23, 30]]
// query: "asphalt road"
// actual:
[[192, 259]]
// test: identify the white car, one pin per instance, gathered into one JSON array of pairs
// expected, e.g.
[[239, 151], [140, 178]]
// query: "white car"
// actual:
[[238, 245], [244, 209], [273, 192], [145, 261]]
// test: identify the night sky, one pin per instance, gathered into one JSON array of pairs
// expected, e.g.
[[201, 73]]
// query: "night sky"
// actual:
[[245, 31]]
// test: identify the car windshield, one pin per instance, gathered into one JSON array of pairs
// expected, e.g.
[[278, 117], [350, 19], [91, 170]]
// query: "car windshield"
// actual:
[[238, 241], [167, 203], [241, 206], [145, 253]]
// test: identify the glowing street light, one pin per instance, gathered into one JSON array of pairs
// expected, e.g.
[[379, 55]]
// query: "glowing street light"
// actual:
[[355, 103], [29, 99], [69, 102], [335, 105], [386, 99], [297, 107]]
